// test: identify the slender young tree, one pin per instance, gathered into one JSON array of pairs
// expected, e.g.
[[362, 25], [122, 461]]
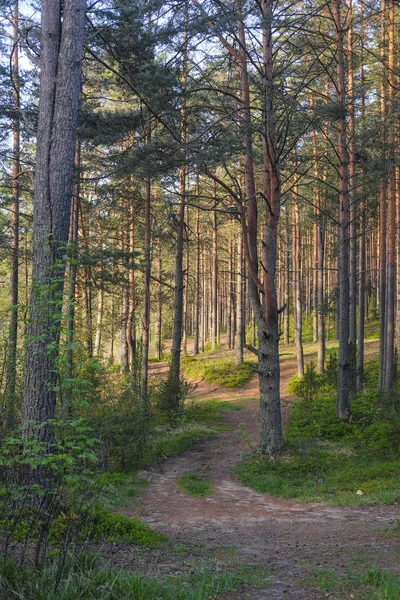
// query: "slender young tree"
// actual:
[[343, 392], [146, 299], [297, 301], [11, 377]]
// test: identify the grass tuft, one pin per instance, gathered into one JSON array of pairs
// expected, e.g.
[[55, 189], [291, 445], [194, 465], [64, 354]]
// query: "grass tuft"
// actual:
[[194, 485], [223, 372], [87, 578]]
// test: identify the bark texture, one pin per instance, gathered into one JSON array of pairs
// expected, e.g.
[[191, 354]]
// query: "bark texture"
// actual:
[[61, 56]]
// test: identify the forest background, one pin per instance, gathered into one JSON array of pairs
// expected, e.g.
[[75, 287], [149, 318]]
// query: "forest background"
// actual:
[[233, 175]]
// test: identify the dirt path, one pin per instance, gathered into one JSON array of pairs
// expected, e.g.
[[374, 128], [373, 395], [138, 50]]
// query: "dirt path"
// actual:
[[236, 525]]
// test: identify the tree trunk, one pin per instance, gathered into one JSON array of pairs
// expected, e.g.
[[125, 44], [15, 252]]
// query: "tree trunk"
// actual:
[[343, 403], [214, 282], [197, 307], [185, 329], [11, 376], [72, 272], [298, 325], [286, 312], [320, 299], [144, 401], [362, 255], [382, 215], [268, 334], [60, 61], [353, 211], [129, 319], [239, 303], [175, 368], [158, 319], [99, 320], [390, 321]]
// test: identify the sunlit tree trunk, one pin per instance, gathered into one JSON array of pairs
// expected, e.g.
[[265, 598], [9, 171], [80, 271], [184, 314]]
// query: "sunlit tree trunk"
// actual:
[[389, 372], [353, 209], [297, 300], [62, 36], [382, 215], [239, 302], [214, 281], [197, 307]]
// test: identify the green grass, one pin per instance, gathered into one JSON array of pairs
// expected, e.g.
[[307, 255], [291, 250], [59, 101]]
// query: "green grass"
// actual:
[[368, 584], [120, 489], [87, 578], [194, 485], [332, 461], [176, 442], [223, 372], [207, 412], [218, 404]]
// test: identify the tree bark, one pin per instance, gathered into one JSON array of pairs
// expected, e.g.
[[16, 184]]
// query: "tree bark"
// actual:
[[353, 210], [175, 368], [158, 319], [286, 313], [214, 282], [390, 321], [99, 319], [382, 215], [72, 273], [60, 62], [239, 303], [298, 325], [362, 256], [11, 367], [343, 395], [130, 308], [197, 307], [144, 400], [320, 298]]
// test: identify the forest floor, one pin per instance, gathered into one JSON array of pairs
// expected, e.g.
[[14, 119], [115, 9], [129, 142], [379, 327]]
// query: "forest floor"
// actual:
[[301, 551]]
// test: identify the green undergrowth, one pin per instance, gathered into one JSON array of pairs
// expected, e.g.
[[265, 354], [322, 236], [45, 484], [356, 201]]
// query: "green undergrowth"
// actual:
[[194, 485], [370, 584], [118, 528], [94, 524], [208, 411], [87, 578], [201, 420], [223, 372], [176, 441], [355, 462]]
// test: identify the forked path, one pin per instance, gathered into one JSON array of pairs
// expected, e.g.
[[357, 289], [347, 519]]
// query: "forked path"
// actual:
[[236, 525]]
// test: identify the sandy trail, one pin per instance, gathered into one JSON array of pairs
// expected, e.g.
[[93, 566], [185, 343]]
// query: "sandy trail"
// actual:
[[236, 525]]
